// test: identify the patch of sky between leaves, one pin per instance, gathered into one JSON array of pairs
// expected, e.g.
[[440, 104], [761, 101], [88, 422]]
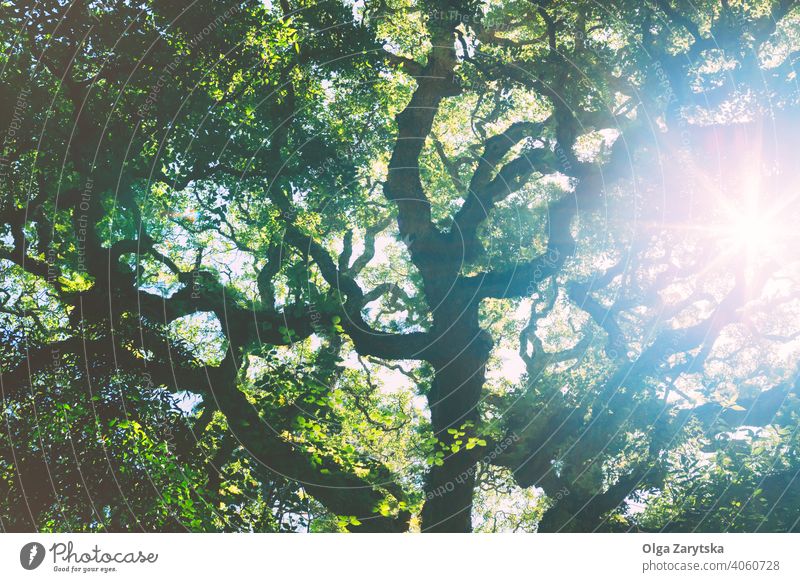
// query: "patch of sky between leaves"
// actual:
[[202, 333], [187, 402]]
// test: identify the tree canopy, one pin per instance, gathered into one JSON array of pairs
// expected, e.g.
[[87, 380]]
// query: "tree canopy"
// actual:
[[380, 266]]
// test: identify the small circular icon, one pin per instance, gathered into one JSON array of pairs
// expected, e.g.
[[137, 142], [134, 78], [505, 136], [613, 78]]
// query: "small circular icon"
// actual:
[[31, 555]]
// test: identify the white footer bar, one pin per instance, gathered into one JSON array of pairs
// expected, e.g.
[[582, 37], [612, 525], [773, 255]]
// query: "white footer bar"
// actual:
[[333, 557]]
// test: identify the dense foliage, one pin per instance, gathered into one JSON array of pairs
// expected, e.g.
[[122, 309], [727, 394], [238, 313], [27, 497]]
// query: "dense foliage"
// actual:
[[393, 265]]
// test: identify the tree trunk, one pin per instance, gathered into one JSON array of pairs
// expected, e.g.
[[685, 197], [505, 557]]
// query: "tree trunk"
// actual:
[[453, 401]]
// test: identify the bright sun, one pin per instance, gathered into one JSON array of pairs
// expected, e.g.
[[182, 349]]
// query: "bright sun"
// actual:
[[752, 232], [756, 230]]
